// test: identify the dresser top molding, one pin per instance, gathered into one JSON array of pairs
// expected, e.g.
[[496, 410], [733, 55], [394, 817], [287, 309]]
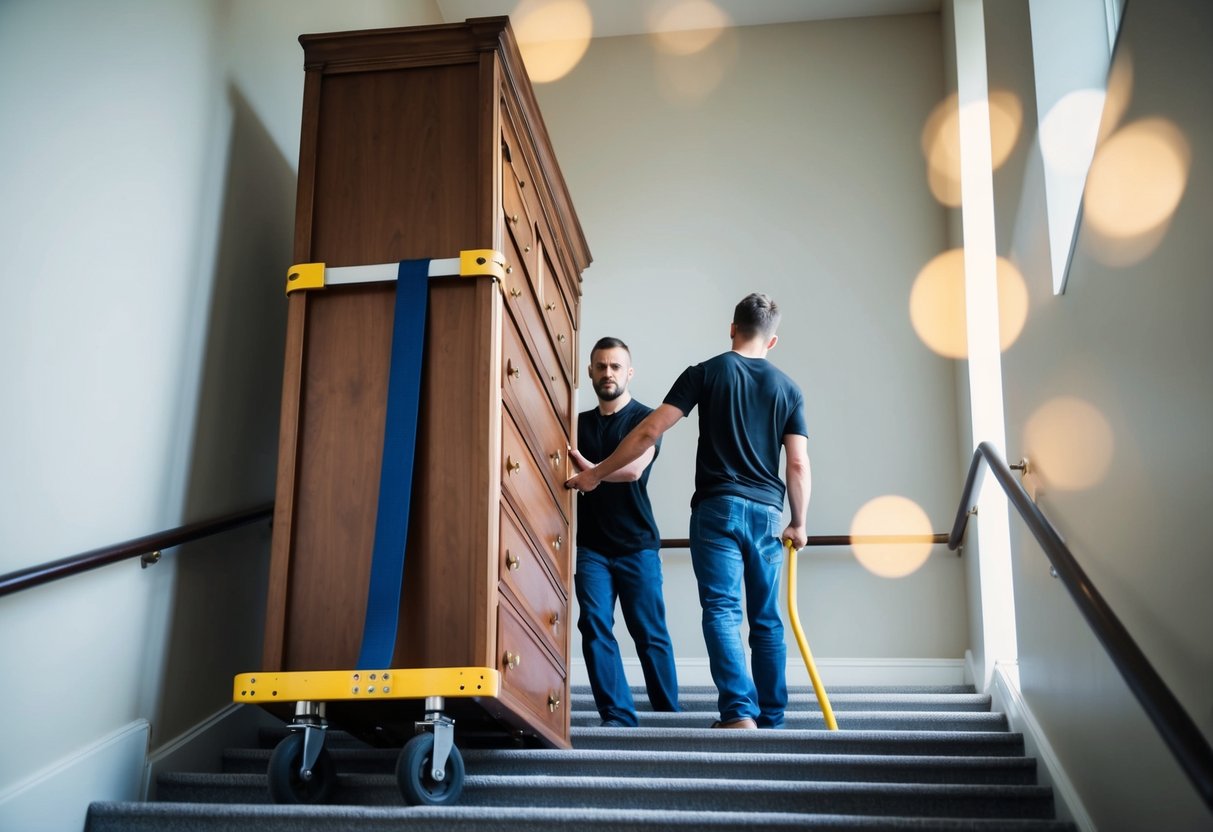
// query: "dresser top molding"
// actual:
[[448, 43]]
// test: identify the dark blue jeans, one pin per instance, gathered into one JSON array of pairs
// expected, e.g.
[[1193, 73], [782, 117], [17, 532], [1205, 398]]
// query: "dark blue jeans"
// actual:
[[635, 580], [735, 543]]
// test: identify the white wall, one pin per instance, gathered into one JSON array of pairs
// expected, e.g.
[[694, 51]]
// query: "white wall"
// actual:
[[1133, 340], [799, 174], [148, 155]]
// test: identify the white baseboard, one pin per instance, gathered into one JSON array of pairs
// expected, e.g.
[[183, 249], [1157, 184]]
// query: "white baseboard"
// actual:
[[201, 747], [833, 672], [1006, 697], [57, 797]]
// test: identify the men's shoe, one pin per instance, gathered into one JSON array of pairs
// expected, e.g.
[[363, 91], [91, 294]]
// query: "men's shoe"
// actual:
[[613, 723], [744, 722]]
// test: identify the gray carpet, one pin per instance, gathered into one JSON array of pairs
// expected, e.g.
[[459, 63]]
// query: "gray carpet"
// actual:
[[905, 758]]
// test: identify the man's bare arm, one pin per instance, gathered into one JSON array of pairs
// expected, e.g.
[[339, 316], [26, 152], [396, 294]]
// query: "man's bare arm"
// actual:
[[628, 473], [641, 439], [799, 479]]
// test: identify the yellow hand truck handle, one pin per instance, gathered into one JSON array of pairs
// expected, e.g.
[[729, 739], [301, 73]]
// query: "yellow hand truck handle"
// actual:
[[794, 617]]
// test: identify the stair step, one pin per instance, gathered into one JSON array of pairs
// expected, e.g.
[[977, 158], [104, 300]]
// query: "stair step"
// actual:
[[639, 692], [655, 764], [699, 794], [912, 757], [157, 817], [929, 743], [809, 720], [706, 701]]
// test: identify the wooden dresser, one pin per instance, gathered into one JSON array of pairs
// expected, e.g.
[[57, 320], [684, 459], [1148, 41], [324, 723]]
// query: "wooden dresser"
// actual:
[[420, 143]]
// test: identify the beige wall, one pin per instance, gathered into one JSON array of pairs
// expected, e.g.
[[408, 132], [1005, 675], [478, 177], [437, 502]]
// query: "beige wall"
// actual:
[[798, 173], [148, 154], [1133, 340]]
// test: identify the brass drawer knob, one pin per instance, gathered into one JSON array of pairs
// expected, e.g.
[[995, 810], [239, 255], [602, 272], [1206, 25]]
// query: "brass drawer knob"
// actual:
[[514, 218], [512, 467], [511, 370], [521, 183], [555, 457], [514, 292], [555, 620], [511, 560], [510, 270], [526, 248], [558, 542], [549, 306], [560, 338], [512, 660], [553, 702]]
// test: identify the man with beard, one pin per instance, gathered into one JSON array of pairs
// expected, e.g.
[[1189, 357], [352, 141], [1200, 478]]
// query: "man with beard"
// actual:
[[617, 549]]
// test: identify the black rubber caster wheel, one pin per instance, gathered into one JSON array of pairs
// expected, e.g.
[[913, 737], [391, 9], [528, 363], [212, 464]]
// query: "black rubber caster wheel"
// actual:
[[415, 776], [287, 786]]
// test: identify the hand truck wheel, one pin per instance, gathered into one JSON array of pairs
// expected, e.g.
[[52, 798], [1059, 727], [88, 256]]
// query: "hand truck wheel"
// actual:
[[415, 773], [289, 784]]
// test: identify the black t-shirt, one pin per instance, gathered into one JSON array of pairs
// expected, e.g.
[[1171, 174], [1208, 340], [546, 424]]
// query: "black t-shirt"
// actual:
[[615, 518], [746, 407]]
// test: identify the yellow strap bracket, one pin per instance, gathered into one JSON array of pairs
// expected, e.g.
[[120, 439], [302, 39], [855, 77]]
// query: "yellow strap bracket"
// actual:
[[794, 616], [352, 685], [305, 276], [474, 262], [482, 261]]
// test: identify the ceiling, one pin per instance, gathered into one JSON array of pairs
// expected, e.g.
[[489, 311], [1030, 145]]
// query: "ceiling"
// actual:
[[634, 17]]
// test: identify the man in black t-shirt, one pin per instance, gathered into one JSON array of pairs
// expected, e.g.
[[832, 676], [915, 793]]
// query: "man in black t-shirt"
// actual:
[[749, 411], [617, 550]]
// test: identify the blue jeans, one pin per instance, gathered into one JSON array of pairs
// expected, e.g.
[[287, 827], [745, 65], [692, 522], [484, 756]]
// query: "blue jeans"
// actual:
[[635, 580], [735, 542]]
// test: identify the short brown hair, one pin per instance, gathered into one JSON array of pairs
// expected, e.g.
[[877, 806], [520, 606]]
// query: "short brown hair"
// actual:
[[757, 314]]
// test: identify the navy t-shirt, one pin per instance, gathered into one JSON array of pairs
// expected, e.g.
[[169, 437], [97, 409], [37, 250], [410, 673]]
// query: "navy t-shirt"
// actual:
[[616, 518], [746, 407]]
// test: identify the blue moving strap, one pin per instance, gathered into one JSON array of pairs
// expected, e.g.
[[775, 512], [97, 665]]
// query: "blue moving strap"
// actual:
[[396, 471]]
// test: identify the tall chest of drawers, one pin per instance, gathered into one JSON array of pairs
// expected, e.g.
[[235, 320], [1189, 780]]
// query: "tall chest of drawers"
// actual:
[[421, 143]]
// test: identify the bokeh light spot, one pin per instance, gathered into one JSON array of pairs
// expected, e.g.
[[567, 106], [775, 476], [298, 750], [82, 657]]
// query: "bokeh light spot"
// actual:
[[941, 148], [1137, 179], [684, 27], [941, 141], [1006, 119], [890, 515], [937, 304], [690, 78], [1119, 92], [553, 36], [1069, 442]]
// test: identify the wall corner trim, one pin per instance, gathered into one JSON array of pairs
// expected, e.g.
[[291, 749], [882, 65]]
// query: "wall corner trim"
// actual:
[[1006, 696]]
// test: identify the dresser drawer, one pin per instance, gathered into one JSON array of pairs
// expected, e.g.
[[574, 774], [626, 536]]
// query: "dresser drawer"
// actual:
[[530, 406], [522, 299], [528, 492], [528, 580], [516, 164], [556, 313], [528, 673], [518, 219]]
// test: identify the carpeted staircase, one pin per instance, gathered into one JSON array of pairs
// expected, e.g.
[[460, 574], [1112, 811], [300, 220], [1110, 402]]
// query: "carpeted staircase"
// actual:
[[904, 758]]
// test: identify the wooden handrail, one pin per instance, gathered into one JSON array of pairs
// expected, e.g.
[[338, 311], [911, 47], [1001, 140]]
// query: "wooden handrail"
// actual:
[[74, 564], [1173, 723]]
